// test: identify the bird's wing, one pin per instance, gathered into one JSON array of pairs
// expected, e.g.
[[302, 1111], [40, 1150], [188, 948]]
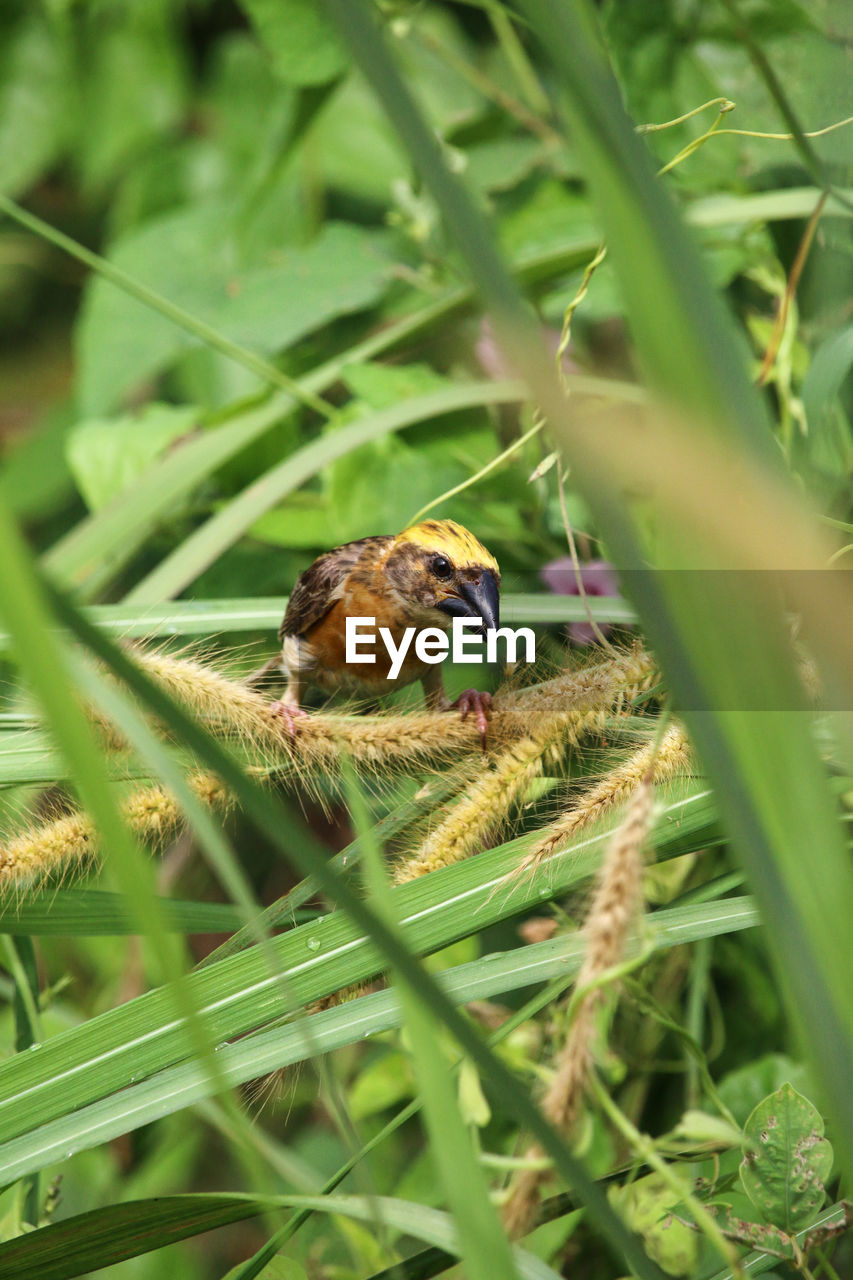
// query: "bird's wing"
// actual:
[[317, 589]]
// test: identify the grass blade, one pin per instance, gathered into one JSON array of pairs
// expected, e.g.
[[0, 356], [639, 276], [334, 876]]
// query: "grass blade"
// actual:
[[185, 1085]]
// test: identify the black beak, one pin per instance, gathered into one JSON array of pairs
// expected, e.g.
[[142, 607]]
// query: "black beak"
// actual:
[[478, 599]]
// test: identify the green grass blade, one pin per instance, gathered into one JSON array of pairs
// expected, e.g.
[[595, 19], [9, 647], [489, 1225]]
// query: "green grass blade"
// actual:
[[98, 913], [243, 991], [264, 613], [186, 1084], [114, 1233]]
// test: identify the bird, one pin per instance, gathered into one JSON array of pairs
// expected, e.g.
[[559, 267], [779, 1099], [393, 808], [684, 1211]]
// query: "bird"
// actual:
[[426, 576]]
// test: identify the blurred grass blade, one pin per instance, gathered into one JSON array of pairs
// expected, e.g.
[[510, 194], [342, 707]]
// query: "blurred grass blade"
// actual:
[[716, 645], [715, 642], [484, 1248]]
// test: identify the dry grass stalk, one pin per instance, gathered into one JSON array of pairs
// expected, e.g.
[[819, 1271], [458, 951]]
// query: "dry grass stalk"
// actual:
[[481, 812], [400, 741], [569, 703], [614, 905], [51, 851], [664, 761], [470, 824]]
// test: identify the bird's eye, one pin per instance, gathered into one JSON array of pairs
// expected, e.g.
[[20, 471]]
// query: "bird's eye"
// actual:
[[441, 566]]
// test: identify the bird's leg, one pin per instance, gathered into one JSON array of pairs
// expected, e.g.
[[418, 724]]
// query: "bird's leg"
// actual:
[[481, 704], [470, 700], [288, 707]]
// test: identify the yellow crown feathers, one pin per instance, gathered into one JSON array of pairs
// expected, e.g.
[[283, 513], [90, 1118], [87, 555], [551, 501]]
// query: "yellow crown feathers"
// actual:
[[453, 540]]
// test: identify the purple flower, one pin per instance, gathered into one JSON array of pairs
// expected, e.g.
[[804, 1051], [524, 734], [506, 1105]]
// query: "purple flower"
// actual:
[[599, 579], [491, 358]]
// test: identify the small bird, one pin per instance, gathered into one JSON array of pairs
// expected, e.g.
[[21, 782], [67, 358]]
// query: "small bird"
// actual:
[[423, 577]]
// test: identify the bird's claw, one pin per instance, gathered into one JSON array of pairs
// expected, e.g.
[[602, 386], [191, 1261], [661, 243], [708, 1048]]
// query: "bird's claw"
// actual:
[[481, 704], [290, 713]]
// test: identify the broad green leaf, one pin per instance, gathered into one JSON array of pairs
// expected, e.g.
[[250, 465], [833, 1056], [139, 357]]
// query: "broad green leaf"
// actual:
[[188, 257], [106, 455], [743, 1089], [787, 1160], [133, 89], [304, 45], [384, 1083], [829, 443], [33, 98], [651, 1207], [203, 546], [382, 385]]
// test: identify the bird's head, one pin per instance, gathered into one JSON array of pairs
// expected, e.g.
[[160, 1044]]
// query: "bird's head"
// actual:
[[439, 565]]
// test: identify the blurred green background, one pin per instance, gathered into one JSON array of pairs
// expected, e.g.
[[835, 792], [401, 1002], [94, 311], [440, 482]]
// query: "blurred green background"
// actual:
[[173, 428]]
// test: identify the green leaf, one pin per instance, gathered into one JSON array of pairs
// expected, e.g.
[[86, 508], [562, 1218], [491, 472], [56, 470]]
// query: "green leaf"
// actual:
[[106, 455], [787, 1160], [742, 1090], [305, 47], [203, 546], [382, 385], [382, 1084], [133, 89], [189, 257], [649, 1205], [829, 443], [832, 1221], [33, 99]]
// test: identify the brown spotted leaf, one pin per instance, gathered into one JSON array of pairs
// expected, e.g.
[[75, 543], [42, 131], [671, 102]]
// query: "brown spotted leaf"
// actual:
[[787, 1160]]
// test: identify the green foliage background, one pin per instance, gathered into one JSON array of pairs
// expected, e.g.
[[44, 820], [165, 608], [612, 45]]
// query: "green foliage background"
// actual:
[[242, 304]]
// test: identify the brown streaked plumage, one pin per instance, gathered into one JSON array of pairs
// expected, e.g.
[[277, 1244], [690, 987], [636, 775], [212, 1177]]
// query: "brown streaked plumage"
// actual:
[[422, 577]]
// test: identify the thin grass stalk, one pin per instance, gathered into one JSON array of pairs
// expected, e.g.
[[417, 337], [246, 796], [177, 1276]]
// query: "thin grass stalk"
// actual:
[[571, 704], [70, 843], [389, 739], [615, 903]]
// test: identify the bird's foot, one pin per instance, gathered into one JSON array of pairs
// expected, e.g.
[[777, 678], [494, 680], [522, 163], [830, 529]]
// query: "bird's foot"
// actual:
[[290, 713], [481, 704]]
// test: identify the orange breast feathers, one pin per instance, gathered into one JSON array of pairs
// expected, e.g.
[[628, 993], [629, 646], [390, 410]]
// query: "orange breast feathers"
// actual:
[[327, 637]]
